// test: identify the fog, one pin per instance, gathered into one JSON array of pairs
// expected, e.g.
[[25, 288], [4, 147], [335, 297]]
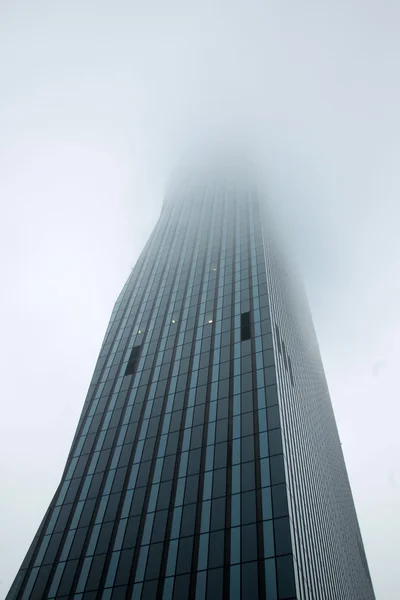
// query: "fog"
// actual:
[[99, 101]]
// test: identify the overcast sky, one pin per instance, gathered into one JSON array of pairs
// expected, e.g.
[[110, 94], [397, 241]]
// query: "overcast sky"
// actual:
[[98, 100]]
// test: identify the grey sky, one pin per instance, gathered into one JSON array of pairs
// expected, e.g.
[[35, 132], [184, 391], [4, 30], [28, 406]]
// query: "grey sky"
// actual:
[[98, 100]]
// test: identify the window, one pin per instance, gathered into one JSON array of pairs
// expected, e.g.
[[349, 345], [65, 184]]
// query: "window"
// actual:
[[133, 360], [208, 319], [245, 329]]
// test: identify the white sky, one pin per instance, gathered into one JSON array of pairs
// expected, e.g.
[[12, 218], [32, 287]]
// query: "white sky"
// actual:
[[97, 102]]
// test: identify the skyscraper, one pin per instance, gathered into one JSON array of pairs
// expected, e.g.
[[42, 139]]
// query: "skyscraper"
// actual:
[[206, 463]]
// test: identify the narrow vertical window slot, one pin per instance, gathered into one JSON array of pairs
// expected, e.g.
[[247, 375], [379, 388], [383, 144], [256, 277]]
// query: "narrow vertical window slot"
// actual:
[[133, 360], [245, 327]]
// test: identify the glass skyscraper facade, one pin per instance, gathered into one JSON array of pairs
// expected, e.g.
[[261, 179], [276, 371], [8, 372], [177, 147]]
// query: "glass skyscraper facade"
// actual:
[[206, 463]]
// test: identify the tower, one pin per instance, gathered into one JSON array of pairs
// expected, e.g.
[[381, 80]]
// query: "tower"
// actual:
[[206, 463]]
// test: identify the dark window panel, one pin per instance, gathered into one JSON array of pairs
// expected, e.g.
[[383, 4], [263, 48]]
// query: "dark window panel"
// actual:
[[181, 589], [248, 477], [179, 400], [161, 386], [220, 455], [95, 485], [246, 364], [277, 469], [109, 440], [176, 419], [285, 577], [157, 407], [78, 543], [272, 395], [188, 520], [106, 391], [268, 357], [120, 593], [131, 532], [266, 326], [198, 417], [216, 549], [196, 437], [148, 449], [225, 338], [244, 305], [125, 455], [194, 461], [115, 417], [136, 411], [269, 375], [41, 582], [219, 483], [67, 578], [222, 408], [279, 500], [87, 446], [247, 448], [221, 434], [131, 432], [247, 402], [249, 581], [104, 538], [101, 406], [145, 376], [154, 561], [275, 441], [172, 444], [223, 388], [121, 399], [112, 507], [215, 584], [184, 561], [204, 360], [217, 513], [249, 513], [96, 572], [206, 344], [247, 424], [267, 342], [137, 502], [224, 370], [164, 495], [283, 543], [225, 353], [168, 467], [72, 490], [181, 384], [102, 462], [184, 368], [159, 525], [273, 418], [164, 371], [192, 483], [203, 376], [149, 591], [63, 518]]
